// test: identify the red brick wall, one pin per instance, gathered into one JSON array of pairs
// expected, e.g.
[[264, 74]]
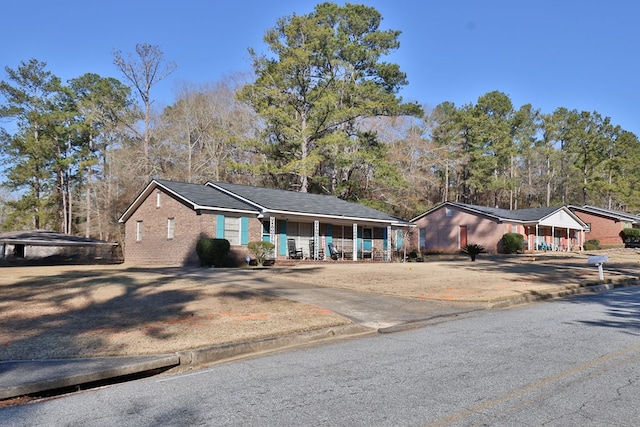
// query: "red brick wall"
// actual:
[[155, 247], [606, 230], [442, 232]]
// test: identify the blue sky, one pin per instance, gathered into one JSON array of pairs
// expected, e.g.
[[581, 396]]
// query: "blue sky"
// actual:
[[578, 54]]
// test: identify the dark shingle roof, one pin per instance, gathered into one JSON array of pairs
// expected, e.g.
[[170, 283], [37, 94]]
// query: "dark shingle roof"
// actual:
[[47, 238], [524, 215], [609, 213], [249, 199], [295, 202], [202, 195]]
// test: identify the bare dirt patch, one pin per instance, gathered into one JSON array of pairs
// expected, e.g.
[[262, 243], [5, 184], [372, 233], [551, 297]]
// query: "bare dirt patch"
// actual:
[[83, 311]]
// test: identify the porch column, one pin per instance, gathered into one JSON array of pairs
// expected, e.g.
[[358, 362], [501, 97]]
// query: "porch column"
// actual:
[[354, 255], [535, 244], [553, 237], [388, 251], [272, 235], [568, 239], [316, 239]]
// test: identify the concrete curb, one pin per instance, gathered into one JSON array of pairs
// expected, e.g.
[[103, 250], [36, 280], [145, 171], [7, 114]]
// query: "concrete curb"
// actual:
[[19, 378], [513, 301], [228, 351], [562, 293], [22, 377]]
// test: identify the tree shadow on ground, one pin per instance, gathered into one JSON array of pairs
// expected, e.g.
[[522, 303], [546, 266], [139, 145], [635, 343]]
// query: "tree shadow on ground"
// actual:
[[622, 305], [46, 317], [554, 271], [622, 309]]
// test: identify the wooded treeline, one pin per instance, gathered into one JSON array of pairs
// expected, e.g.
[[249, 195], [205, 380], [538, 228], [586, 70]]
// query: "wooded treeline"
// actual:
[[320, 113]]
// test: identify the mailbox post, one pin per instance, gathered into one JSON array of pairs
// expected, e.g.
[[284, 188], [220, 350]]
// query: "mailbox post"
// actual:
[[598, 261]]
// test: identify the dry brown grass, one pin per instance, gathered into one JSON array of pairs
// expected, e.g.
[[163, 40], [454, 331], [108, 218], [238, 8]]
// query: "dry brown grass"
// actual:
[[59, 312], [81, 311]]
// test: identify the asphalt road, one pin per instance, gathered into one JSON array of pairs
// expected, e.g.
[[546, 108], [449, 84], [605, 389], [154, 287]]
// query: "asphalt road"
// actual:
[[558, 363]]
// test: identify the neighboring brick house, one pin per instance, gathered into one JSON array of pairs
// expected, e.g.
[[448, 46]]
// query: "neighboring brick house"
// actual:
[[605, 225], [165, 221], [450, 226], [40, 247]]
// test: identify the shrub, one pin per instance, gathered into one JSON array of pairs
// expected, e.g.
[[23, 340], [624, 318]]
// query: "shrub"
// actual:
[[261, 250], [472, 250], [213, 252], [592, 245], [512, 243], [630, 235]]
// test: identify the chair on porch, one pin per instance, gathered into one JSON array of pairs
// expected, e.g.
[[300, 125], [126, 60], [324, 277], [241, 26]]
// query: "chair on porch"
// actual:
[[294, 253], [333, 252]]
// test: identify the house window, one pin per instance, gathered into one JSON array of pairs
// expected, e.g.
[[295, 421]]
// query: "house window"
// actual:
[[232, 230], [448, 212], [514, 228], [423, 238], [138, 231], [171, 224], [158, 201]]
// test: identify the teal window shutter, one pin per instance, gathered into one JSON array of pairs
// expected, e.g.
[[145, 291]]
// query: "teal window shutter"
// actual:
[[219, 226], [283, 237], [385, 239], [399, 238], [244, 230]]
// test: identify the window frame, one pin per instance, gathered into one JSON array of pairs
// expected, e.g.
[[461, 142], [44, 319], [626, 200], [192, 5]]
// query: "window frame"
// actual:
[[233, 227], [139, 228], [171, 228]]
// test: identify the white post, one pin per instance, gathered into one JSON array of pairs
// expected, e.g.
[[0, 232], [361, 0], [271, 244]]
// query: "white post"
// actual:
[[316, 239], [389, 251], [272, 235], [354, 256]]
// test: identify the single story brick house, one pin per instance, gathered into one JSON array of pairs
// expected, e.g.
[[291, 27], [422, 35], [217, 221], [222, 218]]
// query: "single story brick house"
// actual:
[[450, 226], [165, 221], [605, 225]]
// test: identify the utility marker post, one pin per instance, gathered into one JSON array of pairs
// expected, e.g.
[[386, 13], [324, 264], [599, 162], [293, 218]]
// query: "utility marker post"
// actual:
[[598, 261]]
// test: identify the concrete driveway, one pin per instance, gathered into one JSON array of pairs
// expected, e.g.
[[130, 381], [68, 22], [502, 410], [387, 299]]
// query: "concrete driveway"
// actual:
[[368, 309]]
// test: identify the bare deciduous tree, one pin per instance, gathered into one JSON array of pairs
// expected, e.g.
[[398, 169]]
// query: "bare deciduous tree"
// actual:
[[144, 70], [202, 135]]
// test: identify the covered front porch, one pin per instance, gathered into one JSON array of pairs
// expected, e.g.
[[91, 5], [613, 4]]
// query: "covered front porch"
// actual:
[[551, 238], [304, 238]]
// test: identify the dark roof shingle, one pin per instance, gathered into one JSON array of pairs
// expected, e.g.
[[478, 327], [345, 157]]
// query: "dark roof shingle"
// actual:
[[202, 195], [295, 202]]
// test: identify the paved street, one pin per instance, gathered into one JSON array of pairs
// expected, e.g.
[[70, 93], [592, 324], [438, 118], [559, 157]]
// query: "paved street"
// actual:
[[559, 363]]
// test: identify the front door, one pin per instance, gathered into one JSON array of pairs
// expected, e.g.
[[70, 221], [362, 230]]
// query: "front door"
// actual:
[[463, 236]]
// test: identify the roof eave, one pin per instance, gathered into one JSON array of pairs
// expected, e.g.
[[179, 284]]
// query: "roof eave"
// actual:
[[268, 212], [145, 193], [236, 196]]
